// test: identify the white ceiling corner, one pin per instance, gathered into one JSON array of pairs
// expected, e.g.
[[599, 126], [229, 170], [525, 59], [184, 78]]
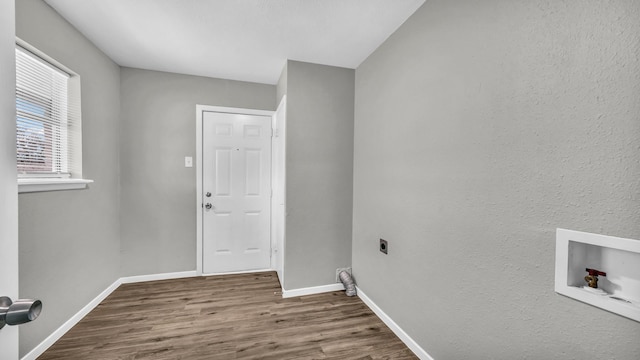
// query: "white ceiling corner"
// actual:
[[247, 40]]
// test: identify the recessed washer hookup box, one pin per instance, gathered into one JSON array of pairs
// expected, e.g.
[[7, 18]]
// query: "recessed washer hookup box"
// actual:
[[600, 270]]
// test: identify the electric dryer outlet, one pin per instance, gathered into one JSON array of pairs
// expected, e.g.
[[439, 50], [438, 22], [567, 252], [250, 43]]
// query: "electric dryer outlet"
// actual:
[[384, 246]]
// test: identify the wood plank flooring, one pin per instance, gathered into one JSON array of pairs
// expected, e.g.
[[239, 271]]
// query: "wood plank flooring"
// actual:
[[227, 317]]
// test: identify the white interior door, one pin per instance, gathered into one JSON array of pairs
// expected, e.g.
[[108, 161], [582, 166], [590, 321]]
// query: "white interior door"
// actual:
[[8, 176], [9, 245], [236, 192]]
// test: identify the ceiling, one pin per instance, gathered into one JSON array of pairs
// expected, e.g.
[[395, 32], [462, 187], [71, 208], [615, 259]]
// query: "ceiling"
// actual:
[[248, 40]]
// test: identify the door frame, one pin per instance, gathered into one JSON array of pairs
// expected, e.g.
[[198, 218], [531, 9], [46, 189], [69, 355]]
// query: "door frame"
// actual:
[[200, 109], [279, 186]]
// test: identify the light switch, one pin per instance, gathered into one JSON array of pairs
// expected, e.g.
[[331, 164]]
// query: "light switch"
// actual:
[[188, 161]]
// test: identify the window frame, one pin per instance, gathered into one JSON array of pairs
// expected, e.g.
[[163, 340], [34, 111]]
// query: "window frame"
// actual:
[[51, 181]]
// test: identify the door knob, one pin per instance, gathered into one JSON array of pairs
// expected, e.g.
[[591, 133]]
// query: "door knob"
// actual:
[[208, 194], [19, 312], [208, 206]]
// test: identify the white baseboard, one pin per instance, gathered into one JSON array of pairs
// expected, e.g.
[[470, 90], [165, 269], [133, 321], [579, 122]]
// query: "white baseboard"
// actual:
[[312, 290], [59, 332], [155, 277], [406, 339]]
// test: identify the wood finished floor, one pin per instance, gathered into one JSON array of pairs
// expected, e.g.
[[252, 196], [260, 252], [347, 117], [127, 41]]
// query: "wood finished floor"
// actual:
[[227, 317]]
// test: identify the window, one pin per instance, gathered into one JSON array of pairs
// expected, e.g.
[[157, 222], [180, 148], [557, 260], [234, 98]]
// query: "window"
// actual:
[[48, 132], [41, 111]]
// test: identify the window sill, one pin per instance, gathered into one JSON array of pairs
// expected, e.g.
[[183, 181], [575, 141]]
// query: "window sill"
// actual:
[[43, 184]]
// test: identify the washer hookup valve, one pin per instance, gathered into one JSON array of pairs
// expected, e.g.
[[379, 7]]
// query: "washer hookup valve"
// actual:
[[592, 278]]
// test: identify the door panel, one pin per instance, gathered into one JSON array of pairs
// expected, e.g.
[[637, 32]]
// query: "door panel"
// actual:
[[237, 172], [223, 172]]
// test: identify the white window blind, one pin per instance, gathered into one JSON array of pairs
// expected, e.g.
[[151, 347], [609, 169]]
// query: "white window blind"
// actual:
[[44, 118]]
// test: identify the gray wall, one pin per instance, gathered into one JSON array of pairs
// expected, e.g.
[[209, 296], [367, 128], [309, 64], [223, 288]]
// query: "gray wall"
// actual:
[[8, 190], [319, 166], [480, 127], [69, 240], [158, 198], [281, 86]]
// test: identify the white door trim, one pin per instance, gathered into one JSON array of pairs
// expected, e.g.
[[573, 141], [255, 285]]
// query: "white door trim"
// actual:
[[279, 186], [198, 163]]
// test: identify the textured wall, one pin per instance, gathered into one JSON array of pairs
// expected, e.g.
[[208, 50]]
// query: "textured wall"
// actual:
[[480, 128], [69, 240], [319, 167], [158, 202], [8, 190]]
